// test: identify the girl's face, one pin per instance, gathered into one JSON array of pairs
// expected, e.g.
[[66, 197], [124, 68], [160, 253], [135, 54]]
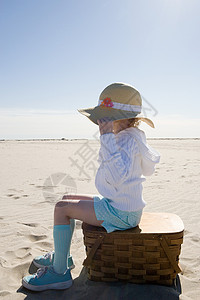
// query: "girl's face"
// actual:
[[120, 125]]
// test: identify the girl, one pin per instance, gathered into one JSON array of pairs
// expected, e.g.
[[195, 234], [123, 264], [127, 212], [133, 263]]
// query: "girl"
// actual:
[[124, 158]]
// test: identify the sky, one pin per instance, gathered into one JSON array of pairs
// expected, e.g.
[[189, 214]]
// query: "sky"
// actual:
[[56, 56]]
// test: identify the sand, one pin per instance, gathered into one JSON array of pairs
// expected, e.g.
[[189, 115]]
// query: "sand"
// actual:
[[28, 196]]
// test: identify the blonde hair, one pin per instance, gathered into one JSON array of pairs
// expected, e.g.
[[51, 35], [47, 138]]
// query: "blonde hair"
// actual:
[[134, 122]]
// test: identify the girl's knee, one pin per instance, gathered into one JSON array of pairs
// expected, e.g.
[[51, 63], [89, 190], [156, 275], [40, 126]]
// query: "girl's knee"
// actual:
[[63, 209], [62, 205], [61, 213]]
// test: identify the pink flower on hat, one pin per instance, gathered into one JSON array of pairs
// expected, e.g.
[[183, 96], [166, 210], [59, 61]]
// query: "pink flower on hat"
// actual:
[[107, 102]]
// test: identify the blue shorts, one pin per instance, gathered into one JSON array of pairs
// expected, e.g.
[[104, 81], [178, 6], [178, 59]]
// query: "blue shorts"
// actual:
[[115, 219]]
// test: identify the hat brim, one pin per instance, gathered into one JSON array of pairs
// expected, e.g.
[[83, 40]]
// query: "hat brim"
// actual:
[[146, 120], [99, 112]]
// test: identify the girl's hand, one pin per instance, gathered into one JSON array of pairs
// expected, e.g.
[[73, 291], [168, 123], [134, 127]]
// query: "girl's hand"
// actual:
[[105, 125]]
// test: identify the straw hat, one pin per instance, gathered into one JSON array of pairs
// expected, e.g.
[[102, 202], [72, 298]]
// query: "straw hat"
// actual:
[[117, 101]]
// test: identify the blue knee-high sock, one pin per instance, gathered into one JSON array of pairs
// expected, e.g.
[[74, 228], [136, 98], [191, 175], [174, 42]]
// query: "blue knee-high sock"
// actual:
[[62, 240]]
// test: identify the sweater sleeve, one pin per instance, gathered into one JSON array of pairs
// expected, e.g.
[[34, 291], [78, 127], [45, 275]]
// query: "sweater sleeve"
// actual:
[[116, 166], [150, 157], [148, 166]]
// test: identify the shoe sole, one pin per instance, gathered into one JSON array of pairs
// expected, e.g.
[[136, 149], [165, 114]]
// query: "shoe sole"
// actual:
[[42, 266], [52, 286]]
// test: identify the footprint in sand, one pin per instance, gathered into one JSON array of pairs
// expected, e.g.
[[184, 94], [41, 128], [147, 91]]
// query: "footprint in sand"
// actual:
[[12, 195], [3, 262], [23, 252], [19, 253], [35, 238], [45, 245], [4, 293], [29, 224]]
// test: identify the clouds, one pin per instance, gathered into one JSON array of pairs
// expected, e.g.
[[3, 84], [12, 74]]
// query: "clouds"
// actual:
[[174, 126], [54, 124], [39, 124]]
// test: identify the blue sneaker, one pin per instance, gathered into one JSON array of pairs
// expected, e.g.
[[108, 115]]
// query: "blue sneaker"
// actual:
[[46, 260], [47, 279]]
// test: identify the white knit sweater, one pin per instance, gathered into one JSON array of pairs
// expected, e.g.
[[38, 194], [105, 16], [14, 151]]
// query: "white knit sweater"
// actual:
[[124, 158]]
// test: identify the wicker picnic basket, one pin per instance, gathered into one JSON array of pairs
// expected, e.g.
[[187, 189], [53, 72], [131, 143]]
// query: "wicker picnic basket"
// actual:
[[148, 253]]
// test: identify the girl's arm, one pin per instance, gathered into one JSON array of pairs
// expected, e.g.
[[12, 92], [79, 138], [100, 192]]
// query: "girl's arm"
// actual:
[[115, 165]]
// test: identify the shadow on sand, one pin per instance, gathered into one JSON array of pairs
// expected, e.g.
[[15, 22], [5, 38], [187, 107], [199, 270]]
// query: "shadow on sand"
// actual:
[[84, 289]]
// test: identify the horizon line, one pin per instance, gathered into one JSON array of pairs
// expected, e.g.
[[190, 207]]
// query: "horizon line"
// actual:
[[83, 139]]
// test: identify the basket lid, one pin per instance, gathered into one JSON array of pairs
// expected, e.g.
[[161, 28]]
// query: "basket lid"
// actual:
[[160, 223], [151, 223]]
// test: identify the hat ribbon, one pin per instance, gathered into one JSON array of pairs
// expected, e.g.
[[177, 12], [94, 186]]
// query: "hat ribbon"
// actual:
[[129, 107]]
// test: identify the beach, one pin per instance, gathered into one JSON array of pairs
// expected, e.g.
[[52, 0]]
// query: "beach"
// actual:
[[34, 174]]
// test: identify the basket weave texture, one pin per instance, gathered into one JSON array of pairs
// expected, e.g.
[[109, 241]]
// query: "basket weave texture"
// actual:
[[132, 255]]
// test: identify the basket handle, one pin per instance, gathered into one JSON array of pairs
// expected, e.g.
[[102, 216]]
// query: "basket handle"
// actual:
[[168, 253], [92, 252]]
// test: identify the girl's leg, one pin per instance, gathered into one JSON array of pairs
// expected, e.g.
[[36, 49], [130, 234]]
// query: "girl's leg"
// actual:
[[47, 259], [82, 210], [78, 197], [53, 277], [64, 212]]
